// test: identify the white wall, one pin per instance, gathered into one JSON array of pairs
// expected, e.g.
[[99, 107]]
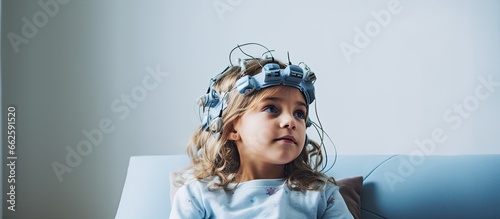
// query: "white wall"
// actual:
[[1, 94], [75, 71]]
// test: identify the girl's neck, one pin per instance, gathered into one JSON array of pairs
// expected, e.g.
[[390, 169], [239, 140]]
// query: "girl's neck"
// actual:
[[251, 172]]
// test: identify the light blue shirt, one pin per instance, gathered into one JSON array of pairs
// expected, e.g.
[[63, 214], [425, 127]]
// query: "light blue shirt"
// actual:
[[264, 198]]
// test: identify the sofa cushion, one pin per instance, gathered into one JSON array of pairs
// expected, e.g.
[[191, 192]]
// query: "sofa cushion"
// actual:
[[459, 186], [351, 188]]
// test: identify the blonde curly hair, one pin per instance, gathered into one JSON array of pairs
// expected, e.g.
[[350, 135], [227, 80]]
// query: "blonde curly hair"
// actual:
[[217, 156]]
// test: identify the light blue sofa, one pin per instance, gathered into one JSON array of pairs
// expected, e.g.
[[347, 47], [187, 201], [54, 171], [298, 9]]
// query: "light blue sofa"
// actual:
[[396, 186]]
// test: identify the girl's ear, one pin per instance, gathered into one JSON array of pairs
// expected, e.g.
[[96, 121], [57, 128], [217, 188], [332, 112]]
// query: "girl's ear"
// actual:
[[233, 134]]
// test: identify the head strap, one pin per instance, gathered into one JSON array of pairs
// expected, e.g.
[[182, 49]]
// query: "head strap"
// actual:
[[272, 75]]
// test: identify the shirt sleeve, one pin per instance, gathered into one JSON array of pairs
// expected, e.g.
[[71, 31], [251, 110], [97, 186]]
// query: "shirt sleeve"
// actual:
[[187, 203], [336, 206]]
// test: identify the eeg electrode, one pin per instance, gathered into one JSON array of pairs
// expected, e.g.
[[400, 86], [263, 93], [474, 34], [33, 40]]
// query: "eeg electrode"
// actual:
[[214, 103]]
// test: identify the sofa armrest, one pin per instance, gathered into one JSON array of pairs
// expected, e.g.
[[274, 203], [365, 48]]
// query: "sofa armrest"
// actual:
[[146, 192]]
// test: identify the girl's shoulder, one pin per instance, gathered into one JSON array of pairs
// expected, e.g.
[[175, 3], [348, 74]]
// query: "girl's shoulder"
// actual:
[[331, 186]]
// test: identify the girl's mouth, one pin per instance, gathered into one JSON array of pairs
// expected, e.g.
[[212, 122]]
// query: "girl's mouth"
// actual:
[[287, 138]]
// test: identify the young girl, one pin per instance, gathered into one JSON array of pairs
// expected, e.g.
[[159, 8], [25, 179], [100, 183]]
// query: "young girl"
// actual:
[[251, 157]]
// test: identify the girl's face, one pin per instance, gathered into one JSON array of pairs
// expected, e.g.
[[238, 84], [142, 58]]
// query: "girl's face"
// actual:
[[273, 130]]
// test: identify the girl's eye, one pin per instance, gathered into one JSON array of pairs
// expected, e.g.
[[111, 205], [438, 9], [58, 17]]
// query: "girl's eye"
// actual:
[[270, 109], [300, 114]]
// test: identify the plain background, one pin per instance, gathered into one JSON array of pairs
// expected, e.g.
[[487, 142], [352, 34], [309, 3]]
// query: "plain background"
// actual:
[[403, 84]]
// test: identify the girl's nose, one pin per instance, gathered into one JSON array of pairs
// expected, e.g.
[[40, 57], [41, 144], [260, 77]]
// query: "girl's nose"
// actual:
[[288, 121]]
